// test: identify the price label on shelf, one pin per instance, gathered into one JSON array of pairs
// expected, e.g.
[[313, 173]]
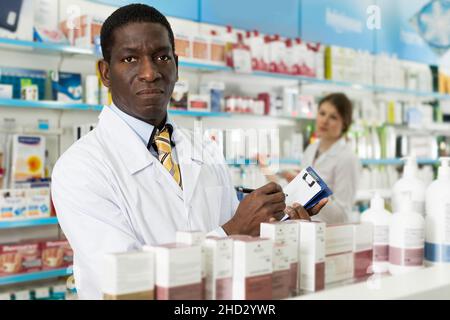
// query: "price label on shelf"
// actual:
[[61, 288]]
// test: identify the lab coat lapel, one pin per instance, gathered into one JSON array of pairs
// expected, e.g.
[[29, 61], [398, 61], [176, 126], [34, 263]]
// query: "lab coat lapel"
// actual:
[[164, 178], [190, 160], [123, 142], [330, 153]]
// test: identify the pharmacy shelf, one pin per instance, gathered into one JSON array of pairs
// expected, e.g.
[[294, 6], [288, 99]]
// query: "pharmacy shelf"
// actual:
[[248, 162], [291, 161], [205, 66], [53, 48], [46, 132], [58, 105], [45, 104], [28, 223], [199, 113], [438, 128], [428, 283], [27, 277], [397, 161]]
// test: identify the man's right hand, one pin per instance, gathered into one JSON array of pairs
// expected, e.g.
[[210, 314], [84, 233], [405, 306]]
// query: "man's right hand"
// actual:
[[259, 206]]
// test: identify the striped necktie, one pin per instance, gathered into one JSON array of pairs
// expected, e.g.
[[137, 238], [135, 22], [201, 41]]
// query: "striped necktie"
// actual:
[[162, 143]]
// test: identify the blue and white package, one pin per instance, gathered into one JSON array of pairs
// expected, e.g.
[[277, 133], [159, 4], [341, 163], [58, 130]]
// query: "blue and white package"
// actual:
[[66, 86], [216, 91], [307, 189]]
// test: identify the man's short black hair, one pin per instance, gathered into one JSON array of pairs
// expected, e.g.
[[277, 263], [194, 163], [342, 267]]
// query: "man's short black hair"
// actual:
[[129, 14]]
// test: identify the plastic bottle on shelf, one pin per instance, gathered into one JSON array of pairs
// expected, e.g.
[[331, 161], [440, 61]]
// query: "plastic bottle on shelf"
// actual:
[[410, 183], [375, 142], [406, 238], [380, 219], [437, 219], [230, 39], [426, 175]]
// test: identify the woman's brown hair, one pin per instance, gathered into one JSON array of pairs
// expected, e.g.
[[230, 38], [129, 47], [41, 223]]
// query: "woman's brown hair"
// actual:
[[343, 106]]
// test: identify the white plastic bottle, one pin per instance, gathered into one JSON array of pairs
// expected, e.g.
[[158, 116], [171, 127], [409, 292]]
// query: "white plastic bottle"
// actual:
[[409, 183], [381, 219], [437, 219], [406, 238]]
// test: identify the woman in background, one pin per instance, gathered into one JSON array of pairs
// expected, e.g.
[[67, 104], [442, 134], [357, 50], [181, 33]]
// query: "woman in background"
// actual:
[[332, 158]]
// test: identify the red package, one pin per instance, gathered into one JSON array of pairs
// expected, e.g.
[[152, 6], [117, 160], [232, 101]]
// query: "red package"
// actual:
[[56, 254], [20, 258]]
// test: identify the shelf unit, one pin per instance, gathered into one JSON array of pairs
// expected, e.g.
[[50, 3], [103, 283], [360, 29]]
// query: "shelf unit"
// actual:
[[291, 161], [57, 105], [23, 223], [33, 276], [205, 66], [397, 161]]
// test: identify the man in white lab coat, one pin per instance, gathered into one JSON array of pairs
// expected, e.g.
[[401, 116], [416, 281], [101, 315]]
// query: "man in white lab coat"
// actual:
[[137, 178]]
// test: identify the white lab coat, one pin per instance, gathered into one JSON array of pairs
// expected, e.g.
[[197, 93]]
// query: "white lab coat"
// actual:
[[112, 195], [340, 168]]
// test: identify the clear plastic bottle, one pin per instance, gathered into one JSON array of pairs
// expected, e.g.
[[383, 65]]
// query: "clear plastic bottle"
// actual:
[[437, 234], [406, 238], [412, 184], [381, 219]]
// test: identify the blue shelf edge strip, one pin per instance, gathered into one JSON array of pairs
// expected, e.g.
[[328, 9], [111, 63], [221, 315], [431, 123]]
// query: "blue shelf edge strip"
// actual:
[[396, 161], [28, 222], [41, 275], [57, 105], [239, 162], [61, 48]]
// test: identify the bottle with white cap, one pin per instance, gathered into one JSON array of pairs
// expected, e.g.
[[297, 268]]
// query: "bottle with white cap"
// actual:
[[411, 183], [406, 238], [380, 219], [437, 235]]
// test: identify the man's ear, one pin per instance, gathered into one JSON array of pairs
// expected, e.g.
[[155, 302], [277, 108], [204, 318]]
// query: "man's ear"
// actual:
[[103, 68]]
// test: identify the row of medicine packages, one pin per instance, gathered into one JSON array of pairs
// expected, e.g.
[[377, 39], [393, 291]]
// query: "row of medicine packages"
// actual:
[[34, 255], [288, 258]]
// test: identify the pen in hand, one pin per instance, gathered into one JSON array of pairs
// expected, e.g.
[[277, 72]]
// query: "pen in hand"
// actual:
[[249, 190]]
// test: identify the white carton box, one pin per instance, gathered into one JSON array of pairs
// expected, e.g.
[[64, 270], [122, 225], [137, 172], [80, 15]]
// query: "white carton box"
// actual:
[[363, 249], [252, 269], [195, 238], [178, 272], [312, 255], [286, 232], [38, 202], [5, 296], [339, 253], [28, 157], [339, 239], [281, 278], [219, 268], [18, 19], [13, 204], [6, 91], [339, 267], [128, 276]]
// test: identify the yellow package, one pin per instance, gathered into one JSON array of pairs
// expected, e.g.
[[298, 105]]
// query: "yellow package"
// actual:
[[28, 157]]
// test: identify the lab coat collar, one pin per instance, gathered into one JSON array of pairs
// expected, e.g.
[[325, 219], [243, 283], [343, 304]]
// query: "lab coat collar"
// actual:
[[336, 147], [143, 129], [127, 143], [190, 158], [134, 153], [332, 151]]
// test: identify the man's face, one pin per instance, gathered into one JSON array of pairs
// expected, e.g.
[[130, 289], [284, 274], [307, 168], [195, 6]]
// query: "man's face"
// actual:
[[142, 71]]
